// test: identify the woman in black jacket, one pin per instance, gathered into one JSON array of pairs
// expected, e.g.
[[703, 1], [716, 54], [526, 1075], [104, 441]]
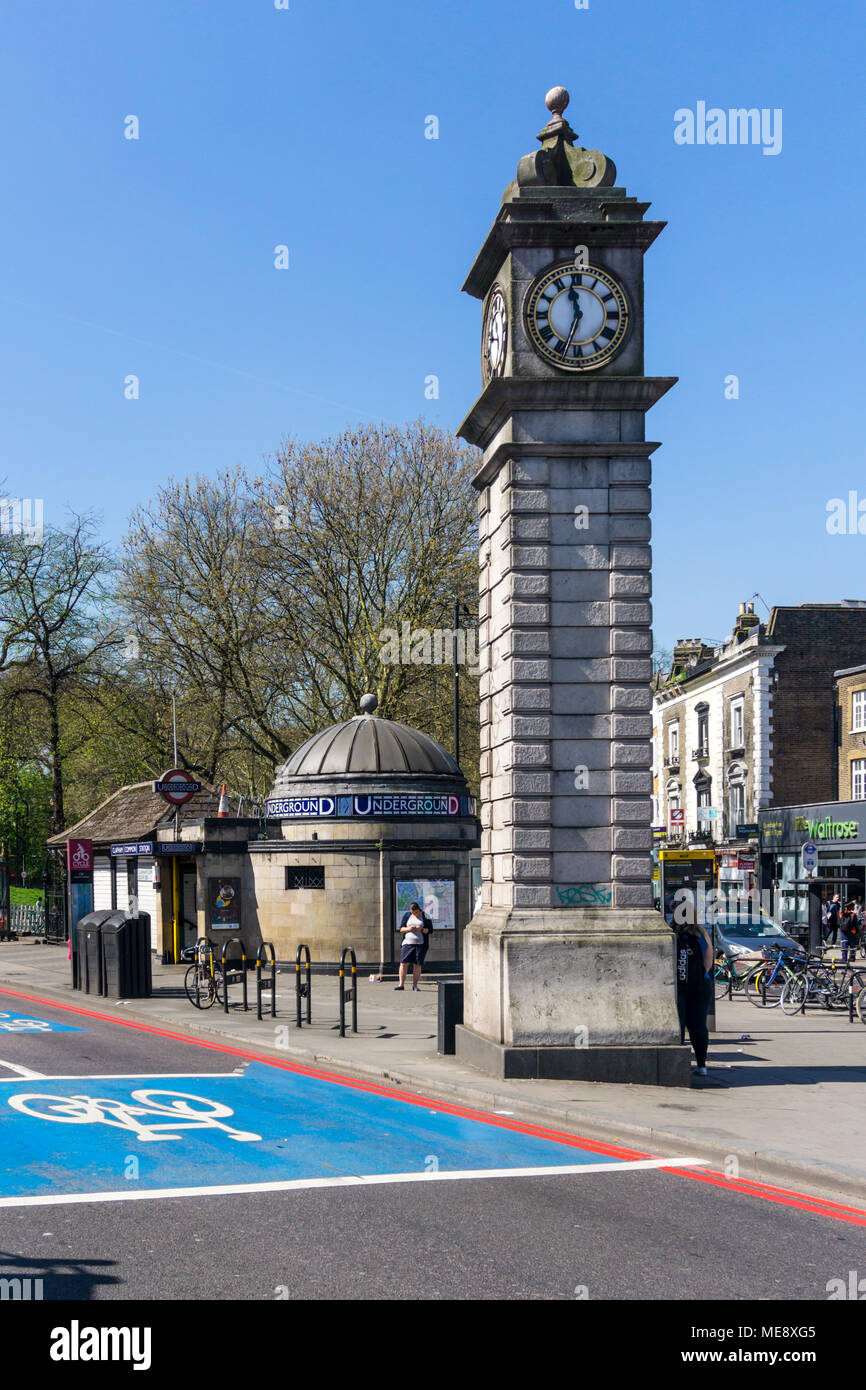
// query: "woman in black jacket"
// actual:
[[694, 967]]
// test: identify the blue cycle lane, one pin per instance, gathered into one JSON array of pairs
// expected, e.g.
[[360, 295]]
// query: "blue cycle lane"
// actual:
[[270, 1126]]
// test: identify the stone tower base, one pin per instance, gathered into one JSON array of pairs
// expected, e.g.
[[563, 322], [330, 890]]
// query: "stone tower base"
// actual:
[[576, 993]]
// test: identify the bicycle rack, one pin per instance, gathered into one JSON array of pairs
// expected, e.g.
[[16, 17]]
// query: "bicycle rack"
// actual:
[[348, 994], [303, 991], [234, 976], [269, 981]]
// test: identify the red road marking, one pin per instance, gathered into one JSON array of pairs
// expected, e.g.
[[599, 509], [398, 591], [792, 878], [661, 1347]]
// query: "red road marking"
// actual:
[[818, 1206]]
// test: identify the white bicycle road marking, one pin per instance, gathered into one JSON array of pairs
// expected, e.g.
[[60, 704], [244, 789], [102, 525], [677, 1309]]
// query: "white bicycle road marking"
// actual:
[[122, 1075], [24, 1025], [178, 1110], [353, 1180], [25, 1073]]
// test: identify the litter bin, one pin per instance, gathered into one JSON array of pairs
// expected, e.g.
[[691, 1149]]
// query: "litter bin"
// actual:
[[126, 956], [450, 1014], [88, 950]]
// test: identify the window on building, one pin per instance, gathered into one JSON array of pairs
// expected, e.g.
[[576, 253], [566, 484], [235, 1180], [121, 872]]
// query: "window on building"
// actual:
[[673, 740], [703, 713], [674, 800], [858, 779], [738, 732], [858, 711], [311, 876], [737, 806], [705, 792]]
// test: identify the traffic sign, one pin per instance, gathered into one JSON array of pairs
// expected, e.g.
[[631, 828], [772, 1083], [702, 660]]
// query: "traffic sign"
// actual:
[[176, 787], [810, 856]]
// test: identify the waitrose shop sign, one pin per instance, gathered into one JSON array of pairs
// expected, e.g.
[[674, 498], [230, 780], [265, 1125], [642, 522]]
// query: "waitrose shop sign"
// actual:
[[830, 829], [790, 826]]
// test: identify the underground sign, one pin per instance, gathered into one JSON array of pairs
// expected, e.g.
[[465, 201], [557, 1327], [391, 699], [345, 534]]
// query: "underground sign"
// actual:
[[176, 786]]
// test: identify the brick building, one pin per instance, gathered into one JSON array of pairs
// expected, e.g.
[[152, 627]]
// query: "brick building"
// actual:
[[851, 734], [751, 723]]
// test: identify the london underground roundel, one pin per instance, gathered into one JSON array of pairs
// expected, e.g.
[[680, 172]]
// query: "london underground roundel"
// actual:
[[176, 786]]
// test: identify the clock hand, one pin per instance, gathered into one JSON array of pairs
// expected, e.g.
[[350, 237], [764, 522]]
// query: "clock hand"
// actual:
[[578, 315]]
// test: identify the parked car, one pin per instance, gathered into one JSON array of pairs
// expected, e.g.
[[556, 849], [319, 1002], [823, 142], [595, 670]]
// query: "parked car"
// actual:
[[751, 935]]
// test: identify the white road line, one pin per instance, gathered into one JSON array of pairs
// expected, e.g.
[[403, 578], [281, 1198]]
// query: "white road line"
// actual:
[[23, 1072], [352, 1180], [119, 1075]]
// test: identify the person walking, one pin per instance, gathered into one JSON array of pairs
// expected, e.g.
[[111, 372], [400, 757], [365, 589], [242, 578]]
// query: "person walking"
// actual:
[[415, 928], [694, 966], [850, 931], [834, 918]]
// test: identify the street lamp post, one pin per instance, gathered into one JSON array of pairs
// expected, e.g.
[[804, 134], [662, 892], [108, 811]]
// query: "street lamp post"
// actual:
[[458, 607]]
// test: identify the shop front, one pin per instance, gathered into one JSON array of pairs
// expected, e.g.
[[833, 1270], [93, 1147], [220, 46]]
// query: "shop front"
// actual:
[[837, 830]]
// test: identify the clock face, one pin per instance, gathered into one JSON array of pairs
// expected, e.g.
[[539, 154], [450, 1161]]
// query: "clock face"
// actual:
[[495, 335], [576, 317]]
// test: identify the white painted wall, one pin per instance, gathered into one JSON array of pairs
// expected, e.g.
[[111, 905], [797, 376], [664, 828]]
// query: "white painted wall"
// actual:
[[147, 895], [101, 882], [753, 671]]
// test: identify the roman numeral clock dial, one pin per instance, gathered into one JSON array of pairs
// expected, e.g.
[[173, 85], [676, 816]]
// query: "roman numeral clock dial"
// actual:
[[576, 317]]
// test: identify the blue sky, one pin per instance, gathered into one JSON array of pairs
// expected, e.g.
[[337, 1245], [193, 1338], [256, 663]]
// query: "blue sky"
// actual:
[[305, 127]]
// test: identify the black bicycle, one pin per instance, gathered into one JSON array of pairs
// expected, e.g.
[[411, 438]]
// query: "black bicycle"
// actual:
[[203, 980]]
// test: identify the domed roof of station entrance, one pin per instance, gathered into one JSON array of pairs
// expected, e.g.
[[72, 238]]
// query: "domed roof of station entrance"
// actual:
[[370, 748]]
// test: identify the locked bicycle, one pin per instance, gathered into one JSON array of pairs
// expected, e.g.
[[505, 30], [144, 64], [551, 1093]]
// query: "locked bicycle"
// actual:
[[728, 980], [826, 982], [203, 981], [766, 983]]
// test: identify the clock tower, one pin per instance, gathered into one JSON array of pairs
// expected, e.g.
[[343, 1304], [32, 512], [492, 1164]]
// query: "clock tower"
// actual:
[[568, 969]]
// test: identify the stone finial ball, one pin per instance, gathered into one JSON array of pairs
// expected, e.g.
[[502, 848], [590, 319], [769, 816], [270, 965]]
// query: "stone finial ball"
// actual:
[[556, 100], [368, 703]]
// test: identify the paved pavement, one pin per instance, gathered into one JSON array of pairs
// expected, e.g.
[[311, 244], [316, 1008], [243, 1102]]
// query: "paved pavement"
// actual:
[[783, 1104], [142, 1164]]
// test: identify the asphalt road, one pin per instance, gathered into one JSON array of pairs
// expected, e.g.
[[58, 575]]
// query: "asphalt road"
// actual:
[[234, 1177]]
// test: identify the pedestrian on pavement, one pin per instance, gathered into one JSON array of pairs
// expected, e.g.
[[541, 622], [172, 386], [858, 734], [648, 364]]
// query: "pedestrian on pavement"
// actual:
[[694, 964], [834, 918], [850, 931], [415, 927]]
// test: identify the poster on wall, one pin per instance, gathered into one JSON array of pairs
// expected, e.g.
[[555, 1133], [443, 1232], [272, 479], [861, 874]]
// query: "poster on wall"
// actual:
[[224, 903], [436, 896]]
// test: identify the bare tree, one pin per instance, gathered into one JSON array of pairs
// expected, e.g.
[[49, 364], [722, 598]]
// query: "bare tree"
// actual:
[[196, 620], [365, 536]]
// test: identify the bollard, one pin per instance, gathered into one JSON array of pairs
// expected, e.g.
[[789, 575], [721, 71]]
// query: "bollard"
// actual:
[[450, 1014], [303, 991], [351, 993]]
